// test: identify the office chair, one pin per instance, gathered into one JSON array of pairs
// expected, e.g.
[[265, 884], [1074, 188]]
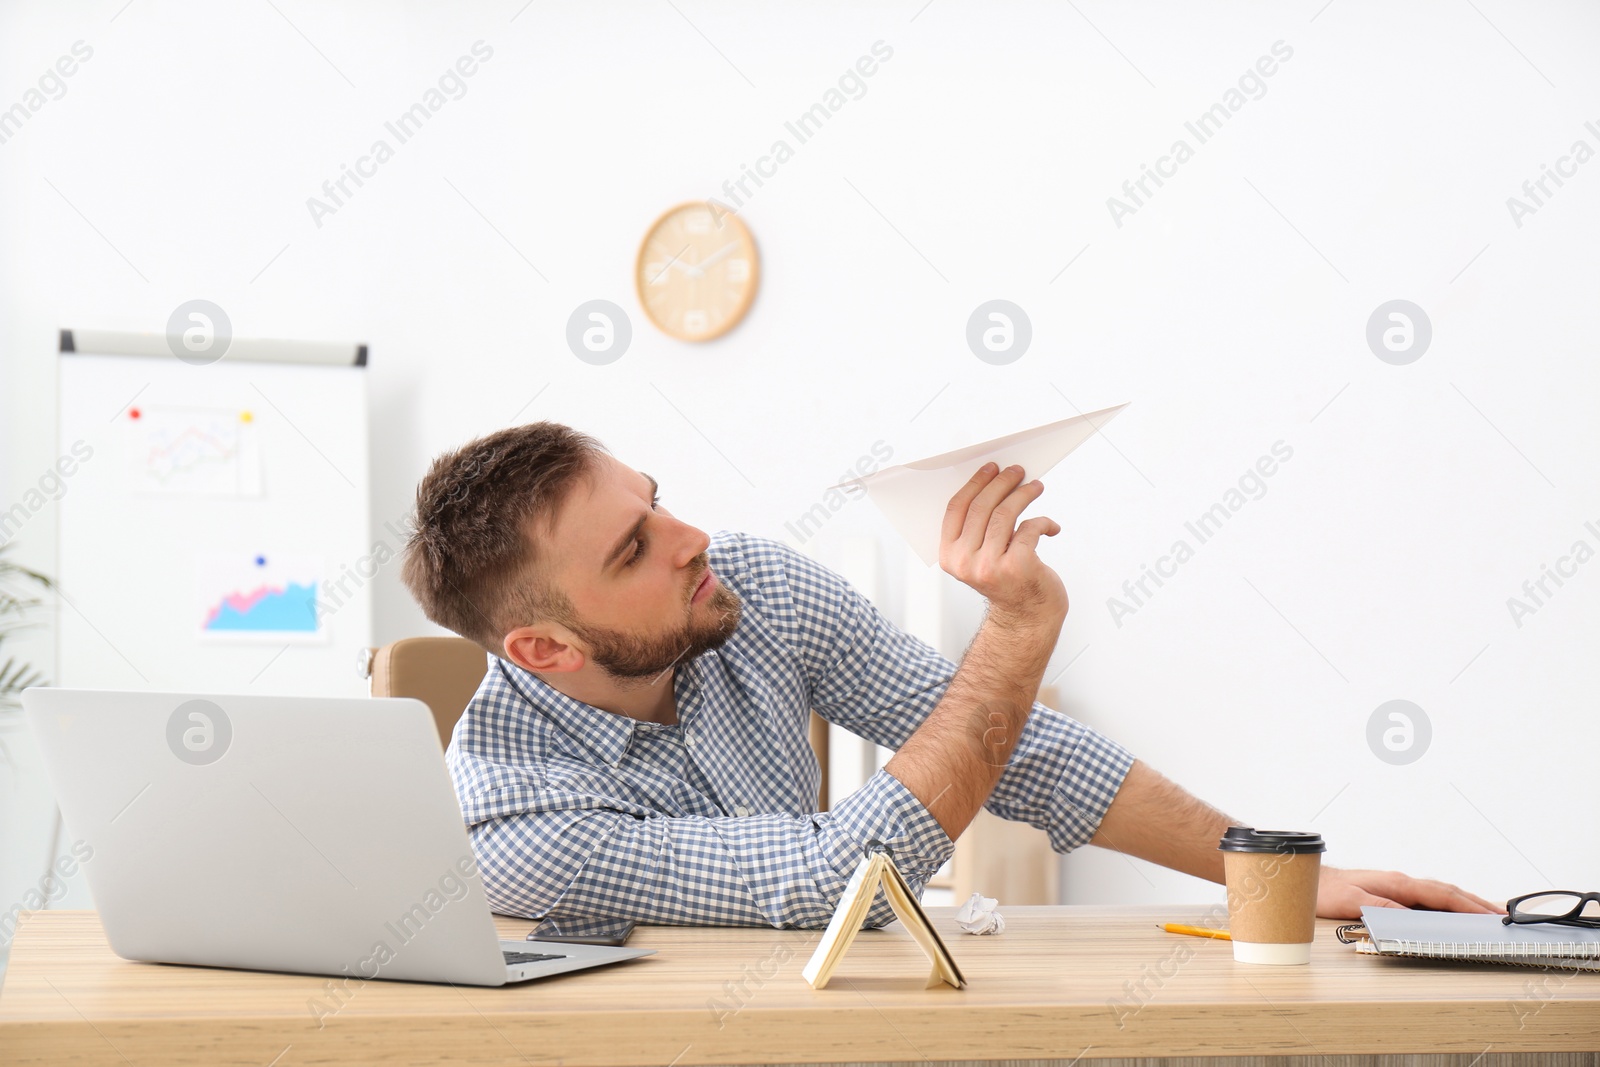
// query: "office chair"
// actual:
[[442, 672]]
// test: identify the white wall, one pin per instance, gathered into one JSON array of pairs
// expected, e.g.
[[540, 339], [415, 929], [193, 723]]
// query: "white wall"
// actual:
[[1231, 309]]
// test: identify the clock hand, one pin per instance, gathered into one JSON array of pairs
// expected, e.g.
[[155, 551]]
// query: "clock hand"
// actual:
[[673, 262], [697, 269]]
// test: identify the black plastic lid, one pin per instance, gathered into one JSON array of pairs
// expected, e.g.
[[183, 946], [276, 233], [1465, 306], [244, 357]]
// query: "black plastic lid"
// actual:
[[1249, 839]]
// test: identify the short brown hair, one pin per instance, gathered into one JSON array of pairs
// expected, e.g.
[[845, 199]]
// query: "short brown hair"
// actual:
[[470, 560]]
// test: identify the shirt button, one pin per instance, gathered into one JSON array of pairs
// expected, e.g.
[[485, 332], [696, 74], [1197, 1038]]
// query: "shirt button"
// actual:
[[741, 811]]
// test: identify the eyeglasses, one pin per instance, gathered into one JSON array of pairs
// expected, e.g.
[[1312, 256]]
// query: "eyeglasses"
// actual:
[[1556, 906]]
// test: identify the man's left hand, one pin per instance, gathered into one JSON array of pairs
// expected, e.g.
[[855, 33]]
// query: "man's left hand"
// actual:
[[1341, 894]]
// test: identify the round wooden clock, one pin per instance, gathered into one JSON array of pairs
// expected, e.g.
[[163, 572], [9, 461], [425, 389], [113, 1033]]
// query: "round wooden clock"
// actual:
[[697, 272]]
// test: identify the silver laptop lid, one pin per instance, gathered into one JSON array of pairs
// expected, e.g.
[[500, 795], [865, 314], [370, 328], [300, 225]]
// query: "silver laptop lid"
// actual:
[[298, 834]]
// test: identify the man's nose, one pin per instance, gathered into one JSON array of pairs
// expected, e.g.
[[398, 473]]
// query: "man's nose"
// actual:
[[693, 543]]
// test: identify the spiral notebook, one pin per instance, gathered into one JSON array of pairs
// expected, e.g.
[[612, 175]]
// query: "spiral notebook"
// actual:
[[1459, 936]]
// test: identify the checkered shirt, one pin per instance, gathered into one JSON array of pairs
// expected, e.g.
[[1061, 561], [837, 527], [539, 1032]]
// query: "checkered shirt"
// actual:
[[577, 812]]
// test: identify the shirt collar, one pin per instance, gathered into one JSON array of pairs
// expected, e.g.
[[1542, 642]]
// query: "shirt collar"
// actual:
[[592, 732]]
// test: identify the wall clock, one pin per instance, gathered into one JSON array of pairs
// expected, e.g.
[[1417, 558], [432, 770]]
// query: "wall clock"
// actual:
[[697, 272]]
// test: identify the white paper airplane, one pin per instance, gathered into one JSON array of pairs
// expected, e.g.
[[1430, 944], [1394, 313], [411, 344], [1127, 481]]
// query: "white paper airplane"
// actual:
[[914, 495]]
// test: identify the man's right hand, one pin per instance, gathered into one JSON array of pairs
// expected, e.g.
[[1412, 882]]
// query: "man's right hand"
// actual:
[[982, 546]]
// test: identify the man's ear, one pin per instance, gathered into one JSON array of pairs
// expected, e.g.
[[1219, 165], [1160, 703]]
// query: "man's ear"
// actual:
[[543, 649]]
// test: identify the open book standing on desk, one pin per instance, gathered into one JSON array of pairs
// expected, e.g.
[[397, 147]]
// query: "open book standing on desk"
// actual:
[[877, 868]]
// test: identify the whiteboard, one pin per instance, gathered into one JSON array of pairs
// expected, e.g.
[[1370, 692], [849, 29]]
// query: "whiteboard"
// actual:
[[215, 519]]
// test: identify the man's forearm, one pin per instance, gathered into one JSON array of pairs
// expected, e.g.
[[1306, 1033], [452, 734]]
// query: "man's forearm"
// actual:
[[1155, 819], [953, 760]]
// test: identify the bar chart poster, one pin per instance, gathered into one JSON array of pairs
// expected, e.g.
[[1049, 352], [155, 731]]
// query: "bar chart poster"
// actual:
[[259, 597]]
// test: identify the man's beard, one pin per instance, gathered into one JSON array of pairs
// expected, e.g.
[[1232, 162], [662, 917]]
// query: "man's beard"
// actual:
[[629, 657]]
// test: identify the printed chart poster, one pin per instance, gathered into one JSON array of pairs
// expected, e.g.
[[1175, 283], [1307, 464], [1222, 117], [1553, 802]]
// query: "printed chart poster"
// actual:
[[260, 598], [192, 451]]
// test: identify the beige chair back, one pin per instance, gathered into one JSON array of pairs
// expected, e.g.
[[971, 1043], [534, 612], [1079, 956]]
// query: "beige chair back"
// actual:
[[442, 672]]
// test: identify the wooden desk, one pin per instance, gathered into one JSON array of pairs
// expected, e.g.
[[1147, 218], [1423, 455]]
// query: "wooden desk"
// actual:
[[1059, 984]]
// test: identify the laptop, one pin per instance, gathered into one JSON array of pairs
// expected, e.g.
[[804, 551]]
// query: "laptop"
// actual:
[[296, 834]]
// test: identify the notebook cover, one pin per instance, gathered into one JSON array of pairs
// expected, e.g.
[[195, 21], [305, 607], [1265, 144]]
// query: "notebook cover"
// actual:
[[1449, 934]]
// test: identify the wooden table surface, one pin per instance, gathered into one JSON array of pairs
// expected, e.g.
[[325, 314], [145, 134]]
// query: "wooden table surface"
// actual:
[[1061, 983]]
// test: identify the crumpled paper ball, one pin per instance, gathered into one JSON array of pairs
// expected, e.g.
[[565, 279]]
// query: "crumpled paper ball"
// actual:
[[978, 916]]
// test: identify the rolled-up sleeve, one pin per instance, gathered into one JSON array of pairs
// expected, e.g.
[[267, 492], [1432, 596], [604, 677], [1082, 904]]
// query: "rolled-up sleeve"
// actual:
[[879, 682], [572, 855]]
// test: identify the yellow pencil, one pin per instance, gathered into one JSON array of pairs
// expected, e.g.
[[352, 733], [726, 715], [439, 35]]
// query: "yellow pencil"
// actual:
[[1197, 931]]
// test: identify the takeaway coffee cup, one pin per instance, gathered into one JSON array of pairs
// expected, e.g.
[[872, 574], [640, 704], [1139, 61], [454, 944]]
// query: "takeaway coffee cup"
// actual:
[[1272, 893]]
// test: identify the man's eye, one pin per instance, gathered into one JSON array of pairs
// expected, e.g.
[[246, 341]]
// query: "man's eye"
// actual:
[[654, 503]]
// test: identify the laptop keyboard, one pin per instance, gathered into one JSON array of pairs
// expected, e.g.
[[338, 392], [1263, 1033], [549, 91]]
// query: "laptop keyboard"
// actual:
[[529, 957]]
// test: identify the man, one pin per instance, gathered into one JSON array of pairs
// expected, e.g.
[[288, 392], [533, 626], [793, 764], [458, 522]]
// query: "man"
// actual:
[[639, 745]]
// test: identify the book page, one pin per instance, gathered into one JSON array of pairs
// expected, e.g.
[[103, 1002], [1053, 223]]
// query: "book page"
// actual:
[[909, 909], [854, 904]]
